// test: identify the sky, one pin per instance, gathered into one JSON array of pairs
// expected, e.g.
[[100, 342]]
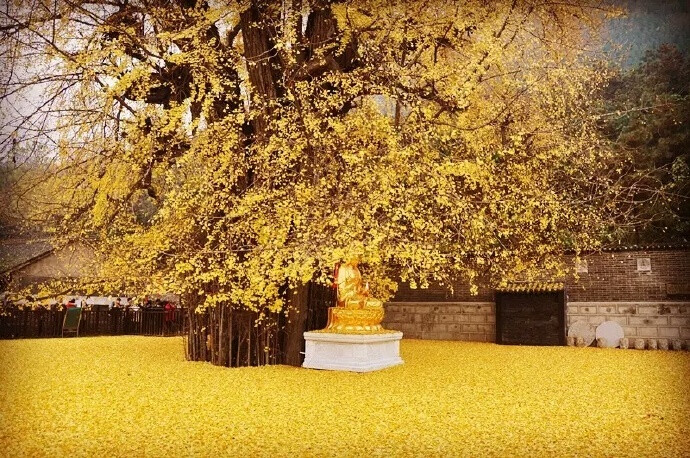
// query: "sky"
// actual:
[[648, 24]]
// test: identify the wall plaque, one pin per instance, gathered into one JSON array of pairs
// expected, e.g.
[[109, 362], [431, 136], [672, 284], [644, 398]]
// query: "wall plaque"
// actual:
[[644, 265]]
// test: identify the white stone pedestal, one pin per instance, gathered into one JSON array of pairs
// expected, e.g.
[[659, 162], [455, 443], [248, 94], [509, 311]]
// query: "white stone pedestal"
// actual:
[[352, 352]]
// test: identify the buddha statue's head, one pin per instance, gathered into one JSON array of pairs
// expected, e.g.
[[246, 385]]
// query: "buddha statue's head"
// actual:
[[352, 260]]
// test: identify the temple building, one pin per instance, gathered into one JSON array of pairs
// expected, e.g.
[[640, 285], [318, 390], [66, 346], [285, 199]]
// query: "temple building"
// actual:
[[645, 289]]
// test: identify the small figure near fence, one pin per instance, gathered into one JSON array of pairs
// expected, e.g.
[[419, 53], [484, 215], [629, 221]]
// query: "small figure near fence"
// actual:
[[169, 316]]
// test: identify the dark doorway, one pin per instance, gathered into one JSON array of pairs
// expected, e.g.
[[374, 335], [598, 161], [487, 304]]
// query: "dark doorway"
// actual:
[[535, 318]]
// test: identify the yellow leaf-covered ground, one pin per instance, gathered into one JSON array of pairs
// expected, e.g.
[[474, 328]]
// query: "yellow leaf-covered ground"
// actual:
[[136, 396]]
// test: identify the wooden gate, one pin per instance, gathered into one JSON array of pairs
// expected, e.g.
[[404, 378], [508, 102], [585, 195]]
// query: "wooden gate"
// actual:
[[530, 318]]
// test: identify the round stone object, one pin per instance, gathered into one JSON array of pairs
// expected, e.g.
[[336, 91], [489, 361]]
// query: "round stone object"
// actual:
[[584, 330], [609, 334]]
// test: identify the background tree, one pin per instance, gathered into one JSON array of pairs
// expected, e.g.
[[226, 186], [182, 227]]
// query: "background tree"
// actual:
[[647, 117], [233, 153]]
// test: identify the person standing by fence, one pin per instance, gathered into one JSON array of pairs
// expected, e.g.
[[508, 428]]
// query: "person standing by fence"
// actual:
[[169, 317]]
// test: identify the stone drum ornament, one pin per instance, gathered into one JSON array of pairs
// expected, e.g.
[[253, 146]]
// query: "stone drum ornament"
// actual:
[[609, 334], [584, 330]]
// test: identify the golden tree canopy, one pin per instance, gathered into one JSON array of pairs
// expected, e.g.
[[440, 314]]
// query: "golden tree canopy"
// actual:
[[232, 149]]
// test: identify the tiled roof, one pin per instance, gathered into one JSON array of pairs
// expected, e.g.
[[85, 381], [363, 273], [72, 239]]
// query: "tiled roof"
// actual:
[[17, 252], [648, 247], [532, 287], [641, 247]]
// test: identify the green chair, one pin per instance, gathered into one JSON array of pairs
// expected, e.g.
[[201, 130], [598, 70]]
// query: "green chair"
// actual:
[[71, 321]]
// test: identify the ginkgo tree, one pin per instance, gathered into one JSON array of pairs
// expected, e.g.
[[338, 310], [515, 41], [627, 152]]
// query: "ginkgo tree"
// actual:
[[233, 152]]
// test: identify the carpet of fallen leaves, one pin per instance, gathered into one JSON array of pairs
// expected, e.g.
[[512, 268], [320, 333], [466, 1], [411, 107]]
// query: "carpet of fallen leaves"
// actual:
[[136, 396]]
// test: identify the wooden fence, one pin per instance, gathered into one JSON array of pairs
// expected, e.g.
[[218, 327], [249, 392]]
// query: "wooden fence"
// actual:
[[222, 335], [22, 323]]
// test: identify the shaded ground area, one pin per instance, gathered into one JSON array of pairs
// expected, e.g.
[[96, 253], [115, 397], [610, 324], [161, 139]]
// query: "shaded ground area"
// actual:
[[136, 396]]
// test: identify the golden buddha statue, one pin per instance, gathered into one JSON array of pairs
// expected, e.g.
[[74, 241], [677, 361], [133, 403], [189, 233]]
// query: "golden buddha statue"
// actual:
[[355, 312]]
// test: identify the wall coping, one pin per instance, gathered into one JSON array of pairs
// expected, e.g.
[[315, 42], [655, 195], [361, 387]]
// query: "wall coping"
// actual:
[[575, 303], [630, 303], [431, 304]]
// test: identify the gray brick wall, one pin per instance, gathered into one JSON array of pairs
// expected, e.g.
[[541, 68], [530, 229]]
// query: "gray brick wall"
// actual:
[[614, 277], [476, 321], [647, 320], [649, 304], [472, 321]]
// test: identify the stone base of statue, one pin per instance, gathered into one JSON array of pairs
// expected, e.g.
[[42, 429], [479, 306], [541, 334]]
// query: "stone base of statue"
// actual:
[[352, 352]]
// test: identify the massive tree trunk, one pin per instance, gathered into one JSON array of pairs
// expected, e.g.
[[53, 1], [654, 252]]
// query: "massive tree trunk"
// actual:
[[296, 325], [263, 66], [224, 335]]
